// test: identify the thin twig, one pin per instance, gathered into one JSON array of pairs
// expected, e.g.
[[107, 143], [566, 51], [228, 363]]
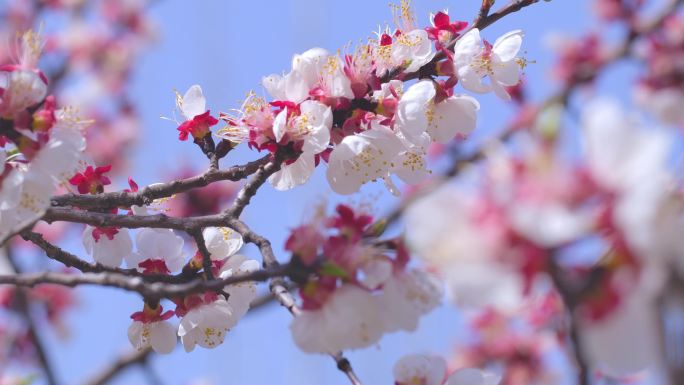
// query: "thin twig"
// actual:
[[281, 292], [118, 366], [206, 255]]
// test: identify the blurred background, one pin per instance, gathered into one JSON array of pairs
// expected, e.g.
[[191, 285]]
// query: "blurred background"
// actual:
[[227, 47]]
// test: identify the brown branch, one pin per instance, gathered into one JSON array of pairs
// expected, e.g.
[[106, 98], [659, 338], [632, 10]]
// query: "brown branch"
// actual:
[[149, 290], [70, 260], [206, 255], [571, 297], [148, 194], [161, 221], [489, 19], [250, 188]]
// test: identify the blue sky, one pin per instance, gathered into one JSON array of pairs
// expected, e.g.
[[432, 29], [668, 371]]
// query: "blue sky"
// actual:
[[226, 47]]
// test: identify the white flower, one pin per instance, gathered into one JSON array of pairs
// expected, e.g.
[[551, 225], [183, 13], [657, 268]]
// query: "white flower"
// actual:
[[24, 197], [441, 236], [412, 49], [313, 69], [62, 156], [312, 127], [206, 325], [241, 295], [442, 231], [161, 336], [108, 247], [417, 113], [334, 328], [474, 60], [630, 161], [361, 158], [620, 154], [23, 88], [472, 376], [420, 369], [549, 224], [407, 296], [222, 242], [158, 244]]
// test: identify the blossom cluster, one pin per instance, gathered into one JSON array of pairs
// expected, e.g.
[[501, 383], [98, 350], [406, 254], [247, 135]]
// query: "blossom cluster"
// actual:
[[358, 112], [42, 145], [349, 271], [206, 317]]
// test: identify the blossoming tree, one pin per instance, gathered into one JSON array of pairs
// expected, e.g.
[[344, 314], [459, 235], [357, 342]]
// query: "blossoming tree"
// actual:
[[553, 238]]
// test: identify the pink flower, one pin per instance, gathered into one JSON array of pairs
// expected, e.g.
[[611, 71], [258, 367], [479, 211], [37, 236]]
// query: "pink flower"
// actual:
[[92, 180], [198, 119]]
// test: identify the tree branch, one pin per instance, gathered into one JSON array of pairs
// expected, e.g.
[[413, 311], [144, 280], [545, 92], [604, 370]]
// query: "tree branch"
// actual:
[[250, 188], [149, 290], [71, 260], [206, 255], [148, 194]]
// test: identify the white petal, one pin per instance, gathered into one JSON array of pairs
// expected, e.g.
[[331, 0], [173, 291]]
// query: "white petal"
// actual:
[[507, 73], [275, 86], [135, 335], [500, 91], [410, 166], [467, 46], [88, 239], [408, 296], [411, 116], [550, 224], [280, 125], [333, 328], [626, 341], [471, 80], [507, 46], [296, 87], [162, 337], [222, 242], [455, 115], [319, 122], [294, 174], [193, 102]]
